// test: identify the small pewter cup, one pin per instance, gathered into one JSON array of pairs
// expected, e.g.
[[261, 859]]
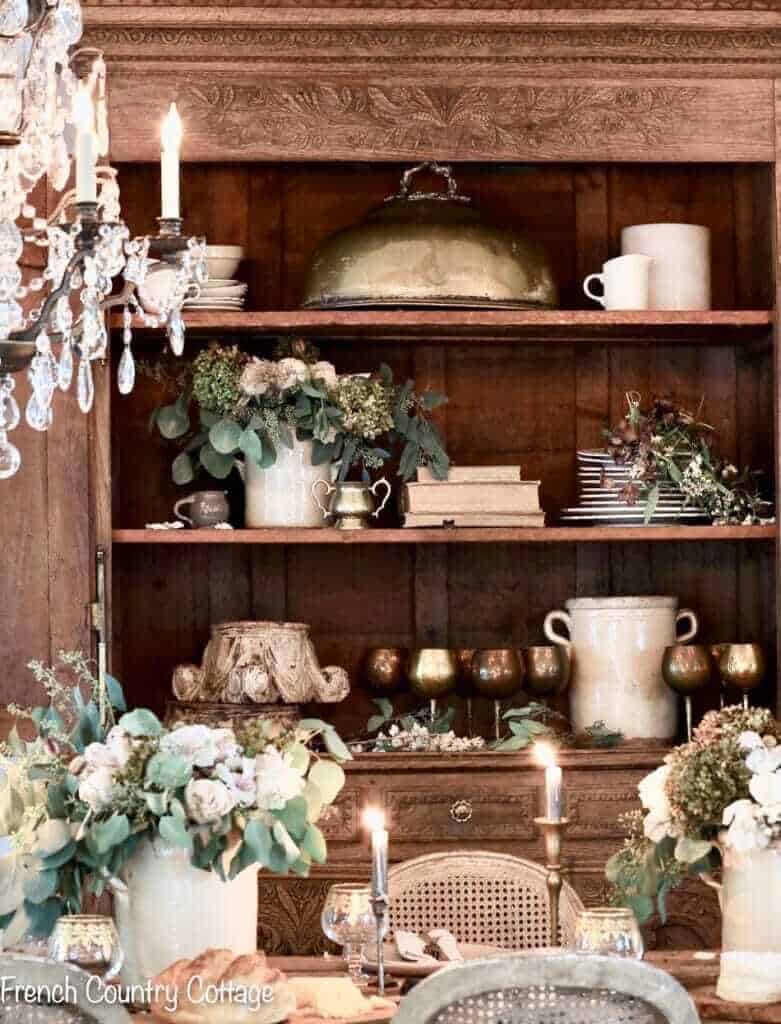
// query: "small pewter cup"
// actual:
[[89, 941], [742, 666], [385, 669], [687, 668], [547, 670], [432, 674]]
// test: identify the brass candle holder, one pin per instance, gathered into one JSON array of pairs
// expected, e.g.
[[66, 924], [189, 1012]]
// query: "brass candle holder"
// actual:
[[553, 832]]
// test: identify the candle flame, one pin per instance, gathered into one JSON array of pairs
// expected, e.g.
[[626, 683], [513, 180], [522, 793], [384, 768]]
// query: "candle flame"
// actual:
[[171, 131], [373, 819], [83, 109], [545, 754]]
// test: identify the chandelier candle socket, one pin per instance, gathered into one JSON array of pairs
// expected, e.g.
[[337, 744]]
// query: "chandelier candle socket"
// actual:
[[170, 144], [374, 820], [554, 783]]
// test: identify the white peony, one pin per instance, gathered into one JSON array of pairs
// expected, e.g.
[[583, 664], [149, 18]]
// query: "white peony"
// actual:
[[765, 787], [291, 373], [120, 745], [207, 801], [749, 740], [98, 755], [258, 376], [761, 760], [326, 373], [653, 796], [96, 788], [743, 832], [199, 745], [277, 780], [241, 782]]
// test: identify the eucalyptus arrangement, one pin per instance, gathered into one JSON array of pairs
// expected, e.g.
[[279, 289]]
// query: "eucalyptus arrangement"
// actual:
[[247, 407], [666, 443], [721, 790], [97, 781]]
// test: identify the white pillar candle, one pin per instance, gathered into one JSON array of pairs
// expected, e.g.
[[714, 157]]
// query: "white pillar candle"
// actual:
[[554, 783], [170, 143], [375, 822], [86, 147]]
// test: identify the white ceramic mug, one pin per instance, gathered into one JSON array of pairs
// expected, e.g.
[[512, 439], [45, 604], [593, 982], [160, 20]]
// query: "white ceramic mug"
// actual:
[[680, 275], [625, 282]]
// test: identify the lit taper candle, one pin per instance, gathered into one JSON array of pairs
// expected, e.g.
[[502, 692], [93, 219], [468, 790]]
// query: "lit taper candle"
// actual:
[[86, 146], [375, 822], [170, 144], [554, 784]]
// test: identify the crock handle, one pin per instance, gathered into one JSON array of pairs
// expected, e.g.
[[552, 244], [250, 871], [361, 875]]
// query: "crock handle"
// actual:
[[550, 632], [435, 168], [691, 632], [180, 504]]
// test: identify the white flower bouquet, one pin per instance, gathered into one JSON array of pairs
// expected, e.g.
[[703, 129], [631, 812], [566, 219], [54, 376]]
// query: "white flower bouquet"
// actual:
[[79, 798], [721, 790]]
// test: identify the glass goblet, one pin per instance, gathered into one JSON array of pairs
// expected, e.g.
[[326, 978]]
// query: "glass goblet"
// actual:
[[89, 941], [349, 921], [608, 931], [742, 666]]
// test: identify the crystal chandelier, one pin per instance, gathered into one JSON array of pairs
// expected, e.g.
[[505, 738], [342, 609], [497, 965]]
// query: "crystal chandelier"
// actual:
[[51, 119]]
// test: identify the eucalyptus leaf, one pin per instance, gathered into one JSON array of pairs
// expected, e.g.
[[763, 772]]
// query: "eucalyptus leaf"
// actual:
[[224, 436], [40, 886], [103, 835], [251, 445], [141, 722], [42, 917], [173, 832], [182, 470], [115, 693], [335, 745], [157, 803], [329, 778], [283, 838], [269, 456], [257, 837], [314, 844], [215, 463], [294, 817], [208, 418], [168, 771], [172, 421]]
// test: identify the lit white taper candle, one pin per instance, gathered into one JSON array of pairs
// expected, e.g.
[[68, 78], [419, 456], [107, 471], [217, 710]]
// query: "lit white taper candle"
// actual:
[[170, 143], [554, 783], [86, 146], [375, 822]]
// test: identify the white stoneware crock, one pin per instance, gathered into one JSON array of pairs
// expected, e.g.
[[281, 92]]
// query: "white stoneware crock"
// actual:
[[616, 646], [282, 494]]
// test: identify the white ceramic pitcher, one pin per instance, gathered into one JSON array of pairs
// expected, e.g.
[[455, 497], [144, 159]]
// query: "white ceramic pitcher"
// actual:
[[750, 899], [282, 494], [616, 646]]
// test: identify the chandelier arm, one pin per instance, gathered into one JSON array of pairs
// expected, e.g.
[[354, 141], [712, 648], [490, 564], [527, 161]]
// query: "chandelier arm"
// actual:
[[31, 332]]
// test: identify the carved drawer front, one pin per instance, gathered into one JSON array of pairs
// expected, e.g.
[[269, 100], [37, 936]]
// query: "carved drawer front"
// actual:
[[341, 822], [593, 810], [464, 811]]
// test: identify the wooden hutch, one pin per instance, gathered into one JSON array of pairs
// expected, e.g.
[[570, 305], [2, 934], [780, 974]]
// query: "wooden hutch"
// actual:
[[568, 123]]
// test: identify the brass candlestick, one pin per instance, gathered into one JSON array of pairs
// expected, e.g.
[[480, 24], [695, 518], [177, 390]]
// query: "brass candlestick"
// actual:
[[553, 832]]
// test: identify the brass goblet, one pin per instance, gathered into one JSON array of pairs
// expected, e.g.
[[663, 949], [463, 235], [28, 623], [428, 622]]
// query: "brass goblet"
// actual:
[[716, 651], [742, 666], [465, 687], [497, 673], [432, 674], [687, 668], [547, 670], [385, 669]]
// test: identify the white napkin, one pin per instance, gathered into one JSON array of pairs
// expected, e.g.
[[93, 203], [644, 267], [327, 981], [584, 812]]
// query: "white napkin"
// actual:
[[412, 947]]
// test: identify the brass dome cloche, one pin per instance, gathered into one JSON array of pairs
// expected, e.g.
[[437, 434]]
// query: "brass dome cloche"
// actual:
[[429, 249]]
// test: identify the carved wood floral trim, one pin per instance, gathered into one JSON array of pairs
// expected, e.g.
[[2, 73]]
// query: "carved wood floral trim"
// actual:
[[503, 121]]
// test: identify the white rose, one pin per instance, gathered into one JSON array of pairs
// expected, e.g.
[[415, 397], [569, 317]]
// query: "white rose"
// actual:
[[207, 801], [257, 377], [766, 788], [277, 780], [225, 744], [326, 374], [120, 745], [241, 782], [761, 760], [96, 788], [743, 832], [749, 740], [98, 755], [653, 796], [291, 372], [195, 743]]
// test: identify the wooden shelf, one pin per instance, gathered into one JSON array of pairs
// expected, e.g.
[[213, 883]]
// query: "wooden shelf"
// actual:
[[458, 535], [475, 326]]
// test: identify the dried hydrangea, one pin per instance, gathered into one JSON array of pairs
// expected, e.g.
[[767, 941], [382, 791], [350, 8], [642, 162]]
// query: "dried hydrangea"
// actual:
[[730, 722], [216, 375], [367, 406], [704, 779]]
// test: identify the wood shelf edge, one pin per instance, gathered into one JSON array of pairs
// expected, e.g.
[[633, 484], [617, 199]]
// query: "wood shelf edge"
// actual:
[[462, 535]]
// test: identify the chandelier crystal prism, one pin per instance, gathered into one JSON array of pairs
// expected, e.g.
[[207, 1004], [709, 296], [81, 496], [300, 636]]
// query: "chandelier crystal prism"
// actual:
[[53, 122]]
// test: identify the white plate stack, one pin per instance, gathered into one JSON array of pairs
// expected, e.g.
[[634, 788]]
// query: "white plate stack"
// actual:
[[219, 294], [600, 480]]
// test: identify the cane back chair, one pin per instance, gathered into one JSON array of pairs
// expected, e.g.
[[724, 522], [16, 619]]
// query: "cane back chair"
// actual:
[[59, 994], [484, 898], [546, 988]]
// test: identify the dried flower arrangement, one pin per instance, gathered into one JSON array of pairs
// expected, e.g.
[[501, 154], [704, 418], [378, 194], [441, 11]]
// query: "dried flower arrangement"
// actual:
[[666, 443], [247, 407], [97, 780], [722, 789]]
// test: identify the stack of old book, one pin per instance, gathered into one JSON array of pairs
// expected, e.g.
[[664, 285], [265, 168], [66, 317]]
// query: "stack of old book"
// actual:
[[473, 496]]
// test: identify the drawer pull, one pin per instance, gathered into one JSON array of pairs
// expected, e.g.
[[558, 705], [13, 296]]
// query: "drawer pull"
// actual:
[[461, 811]]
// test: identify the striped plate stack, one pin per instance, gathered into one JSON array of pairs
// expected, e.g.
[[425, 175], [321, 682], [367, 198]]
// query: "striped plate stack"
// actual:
[[600, 480]]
